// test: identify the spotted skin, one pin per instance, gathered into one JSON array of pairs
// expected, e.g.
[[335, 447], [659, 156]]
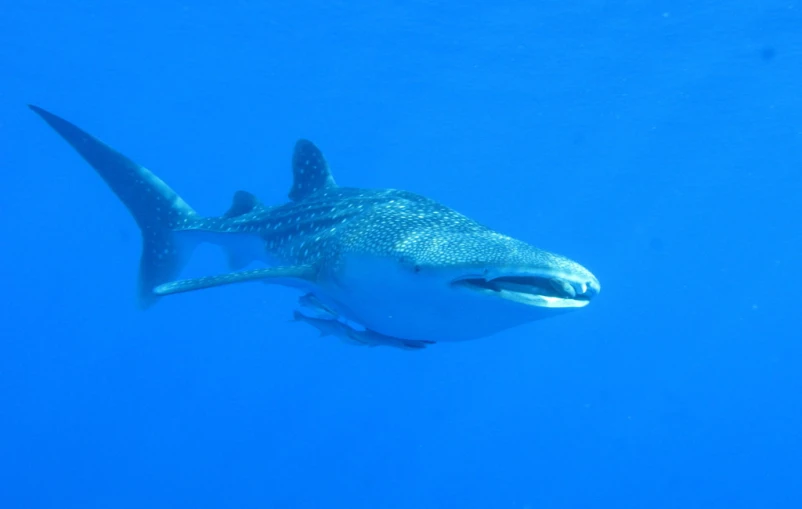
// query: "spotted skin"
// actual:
[[310, 171], [386, 259]]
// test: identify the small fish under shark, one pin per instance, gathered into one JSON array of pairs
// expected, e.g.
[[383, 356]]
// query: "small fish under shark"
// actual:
[[330, 324], [375, 266]]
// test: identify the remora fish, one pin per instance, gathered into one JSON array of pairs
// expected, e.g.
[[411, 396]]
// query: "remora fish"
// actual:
[[316, 314], [399, 264], [334, 327]]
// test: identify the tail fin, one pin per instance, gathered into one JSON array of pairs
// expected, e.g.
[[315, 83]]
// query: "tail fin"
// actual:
[[157, 209]]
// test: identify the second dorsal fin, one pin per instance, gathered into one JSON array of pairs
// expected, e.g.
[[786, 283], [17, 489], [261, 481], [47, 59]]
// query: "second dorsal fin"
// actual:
[[243, 203], [310, 171]]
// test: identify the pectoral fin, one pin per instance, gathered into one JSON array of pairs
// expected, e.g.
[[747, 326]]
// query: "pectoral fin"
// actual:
[[289, 276]]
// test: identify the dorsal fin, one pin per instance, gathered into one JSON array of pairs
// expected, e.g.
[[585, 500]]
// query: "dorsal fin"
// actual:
[[310, 171], [243, 203]]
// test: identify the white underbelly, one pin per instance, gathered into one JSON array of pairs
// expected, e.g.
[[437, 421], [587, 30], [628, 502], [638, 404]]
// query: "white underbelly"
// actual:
[[395, 302]]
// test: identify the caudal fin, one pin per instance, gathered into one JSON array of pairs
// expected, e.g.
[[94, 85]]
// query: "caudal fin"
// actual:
[[157, 209]]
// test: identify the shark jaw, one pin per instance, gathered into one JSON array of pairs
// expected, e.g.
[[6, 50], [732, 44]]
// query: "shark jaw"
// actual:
[[536, 290]]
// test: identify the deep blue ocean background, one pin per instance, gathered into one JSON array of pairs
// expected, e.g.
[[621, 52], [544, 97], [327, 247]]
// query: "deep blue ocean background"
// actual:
[[657, 143]]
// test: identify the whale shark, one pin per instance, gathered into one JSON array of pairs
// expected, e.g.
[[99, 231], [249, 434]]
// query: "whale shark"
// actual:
[[391, 266]]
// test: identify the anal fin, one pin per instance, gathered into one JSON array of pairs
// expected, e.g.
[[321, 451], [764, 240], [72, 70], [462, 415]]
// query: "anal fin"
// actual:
[[237, 261]]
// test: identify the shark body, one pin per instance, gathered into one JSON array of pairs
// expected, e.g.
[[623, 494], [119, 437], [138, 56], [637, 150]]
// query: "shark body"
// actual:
[[399, 264]]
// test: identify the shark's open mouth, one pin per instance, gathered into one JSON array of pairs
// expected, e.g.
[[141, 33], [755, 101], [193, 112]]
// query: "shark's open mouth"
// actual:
[[549, 292]]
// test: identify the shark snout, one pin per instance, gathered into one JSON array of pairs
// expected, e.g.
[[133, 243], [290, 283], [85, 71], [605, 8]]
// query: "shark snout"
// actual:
[[586, 288]]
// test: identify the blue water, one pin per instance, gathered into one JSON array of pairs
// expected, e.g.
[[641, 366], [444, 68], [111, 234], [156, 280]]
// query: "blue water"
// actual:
[[658, 143]]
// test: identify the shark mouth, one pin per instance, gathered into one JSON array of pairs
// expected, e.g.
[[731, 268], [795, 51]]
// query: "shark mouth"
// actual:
[[547, 292]]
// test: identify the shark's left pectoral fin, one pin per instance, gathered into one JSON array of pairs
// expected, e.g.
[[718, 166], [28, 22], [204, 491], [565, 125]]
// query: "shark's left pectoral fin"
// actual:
[[290, 276], [372, 338]]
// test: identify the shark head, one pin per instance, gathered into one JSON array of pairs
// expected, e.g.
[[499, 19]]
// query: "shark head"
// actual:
[[414, 268], [489, 266]]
